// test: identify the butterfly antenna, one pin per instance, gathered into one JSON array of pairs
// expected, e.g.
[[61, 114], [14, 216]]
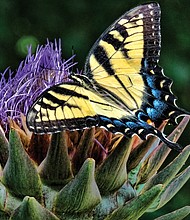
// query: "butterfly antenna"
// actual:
[[72, 53]]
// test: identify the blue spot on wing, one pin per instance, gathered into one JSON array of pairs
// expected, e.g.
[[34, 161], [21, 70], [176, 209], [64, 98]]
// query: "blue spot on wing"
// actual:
[[150, 81], [160, 105], [156, 93], [157, 111], [104, 120], [118, 123]]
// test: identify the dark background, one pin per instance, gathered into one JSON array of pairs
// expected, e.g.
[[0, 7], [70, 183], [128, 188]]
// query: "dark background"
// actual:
[[78, 23]]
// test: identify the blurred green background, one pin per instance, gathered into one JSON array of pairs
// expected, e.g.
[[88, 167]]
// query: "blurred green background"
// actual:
[[78, 23]]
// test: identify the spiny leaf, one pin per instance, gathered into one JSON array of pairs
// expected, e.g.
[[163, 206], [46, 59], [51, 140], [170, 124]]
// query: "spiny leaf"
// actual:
[[107, 205], [56, 167], [80, 194], [137, 206], [111, 202], [176, 215], [112, 173], [150, 166], [170, 191], [20, 175], [140, 151], [157, 157], [169, 172], [31, 209]]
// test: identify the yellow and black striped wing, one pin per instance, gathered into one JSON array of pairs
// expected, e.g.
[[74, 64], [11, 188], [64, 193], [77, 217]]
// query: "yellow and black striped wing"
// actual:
[[117, 58], [61, 107], [69, 106]]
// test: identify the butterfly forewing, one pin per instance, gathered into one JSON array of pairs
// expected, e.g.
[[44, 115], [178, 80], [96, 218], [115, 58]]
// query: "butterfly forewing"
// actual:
[[118, 55]]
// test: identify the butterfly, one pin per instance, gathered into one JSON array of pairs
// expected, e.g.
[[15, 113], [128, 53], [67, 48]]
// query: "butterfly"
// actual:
[[122, 89]]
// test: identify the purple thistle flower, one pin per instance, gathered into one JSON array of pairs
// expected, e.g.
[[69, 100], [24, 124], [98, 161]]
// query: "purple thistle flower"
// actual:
[[36, 73]]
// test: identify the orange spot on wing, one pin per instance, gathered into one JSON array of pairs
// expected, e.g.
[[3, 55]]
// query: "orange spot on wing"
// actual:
[[150, 122]]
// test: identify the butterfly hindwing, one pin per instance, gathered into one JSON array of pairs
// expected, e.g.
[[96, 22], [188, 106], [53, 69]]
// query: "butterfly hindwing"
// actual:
[[61, 107], [69, 106]]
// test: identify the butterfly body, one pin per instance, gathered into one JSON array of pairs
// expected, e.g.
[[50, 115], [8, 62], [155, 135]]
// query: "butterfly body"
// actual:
[[122, 89]]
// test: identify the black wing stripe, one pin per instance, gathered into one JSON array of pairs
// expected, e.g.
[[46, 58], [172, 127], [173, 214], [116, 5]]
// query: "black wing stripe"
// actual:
[[122, 30], [103, 60], [63, 91], [53, 99], [113, 41]]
